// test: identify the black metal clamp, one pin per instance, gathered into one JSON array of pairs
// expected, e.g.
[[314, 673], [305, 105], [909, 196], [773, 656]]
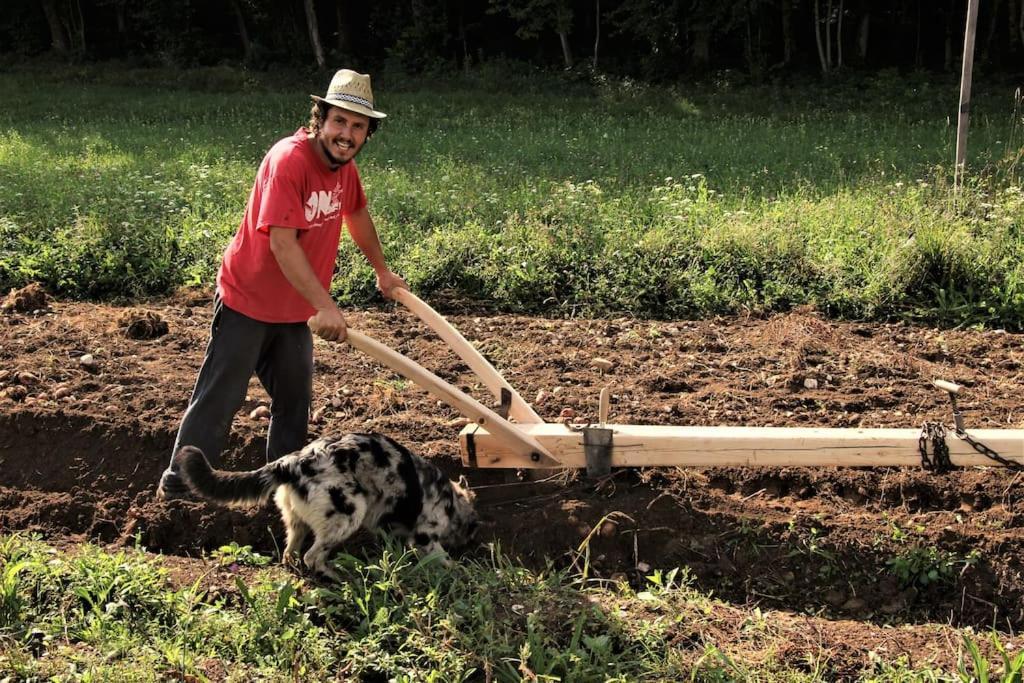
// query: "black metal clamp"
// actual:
[[597, 442]]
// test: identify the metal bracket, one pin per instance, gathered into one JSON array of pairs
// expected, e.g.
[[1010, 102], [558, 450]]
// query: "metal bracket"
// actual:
[[597, 446], [506, 403], [952, 390]]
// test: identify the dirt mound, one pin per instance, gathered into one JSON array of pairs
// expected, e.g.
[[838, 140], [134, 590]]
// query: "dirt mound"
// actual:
[[140, 324], [82, 449], [30, 298]]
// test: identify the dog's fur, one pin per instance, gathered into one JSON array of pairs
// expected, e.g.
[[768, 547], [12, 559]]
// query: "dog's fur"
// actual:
[[336, 485]]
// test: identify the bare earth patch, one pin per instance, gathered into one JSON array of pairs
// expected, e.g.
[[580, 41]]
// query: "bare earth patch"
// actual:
[[834, 557]]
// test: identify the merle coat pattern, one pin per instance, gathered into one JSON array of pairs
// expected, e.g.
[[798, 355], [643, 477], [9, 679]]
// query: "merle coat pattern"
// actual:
[[336, 485]]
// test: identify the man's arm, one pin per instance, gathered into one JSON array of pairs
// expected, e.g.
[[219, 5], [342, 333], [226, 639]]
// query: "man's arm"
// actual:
[[364, 234], [328, 322]]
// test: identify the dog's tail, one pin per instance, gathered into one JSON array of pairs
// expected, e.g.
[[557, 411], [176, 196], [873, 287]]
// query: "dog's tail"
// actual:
[[231, 488]]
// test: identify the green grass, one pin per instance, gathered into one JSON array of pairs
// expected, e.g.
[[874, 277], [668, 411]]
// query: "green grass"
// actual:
[[91, 615], [535, 194]]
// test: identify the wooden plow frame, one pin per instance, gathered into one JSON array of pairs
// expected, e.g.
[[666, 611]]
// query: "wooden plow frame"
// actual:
[[493, 440]]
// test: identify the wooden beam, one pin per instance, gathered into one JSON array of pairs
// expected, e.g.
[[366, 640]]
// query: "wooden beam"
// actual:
[[519, 409], [963, 117], [643, 445]]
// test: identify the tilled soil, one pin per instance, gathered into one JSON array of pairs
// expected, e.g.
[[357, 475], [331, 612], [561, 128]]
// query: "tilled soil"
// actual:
[[91, 396]]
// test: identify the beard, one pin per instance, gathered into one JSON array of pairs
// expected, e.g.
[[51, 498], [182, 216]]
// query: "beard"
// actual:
[[334, 159]]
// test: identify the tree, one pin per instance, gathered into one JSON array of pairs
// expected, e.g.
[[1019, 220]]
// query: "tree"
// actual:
[[536, 16], [314, 34]]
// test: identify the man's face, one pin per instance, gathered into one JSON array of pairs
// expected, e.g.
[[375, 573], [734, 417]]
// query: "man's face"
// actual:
[[342, 135]]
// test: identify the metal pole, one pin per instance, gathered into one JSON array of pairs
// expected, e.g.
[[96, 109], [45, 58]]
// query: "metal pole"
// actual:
[[965, 94]]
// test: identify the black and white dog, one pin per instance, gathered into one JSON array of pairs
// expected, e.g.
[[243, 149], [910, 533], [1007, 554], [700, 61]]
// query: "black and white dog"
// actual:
[[336, 485]]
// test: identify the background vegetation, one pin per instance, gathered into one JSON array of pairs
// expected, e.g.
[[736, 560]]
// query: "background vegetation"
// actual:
[[530, 191], [647, 39]]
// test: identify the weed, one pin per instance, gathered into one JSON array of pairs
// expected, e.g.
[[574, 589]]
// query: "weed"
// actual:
[[241, 555]]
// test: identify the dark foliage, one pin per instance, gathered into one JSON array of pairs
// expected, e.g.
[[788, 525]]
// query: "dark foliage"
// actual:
[[648, 39]]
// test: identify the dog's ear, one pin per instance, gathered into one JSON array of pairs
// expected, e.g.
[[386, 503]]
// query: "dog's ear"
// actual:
[[463, 485]]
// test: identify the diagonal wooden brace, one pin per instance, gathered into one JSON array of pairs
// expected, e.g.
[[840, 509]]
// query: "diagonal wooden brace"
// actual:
[[514, 441], [519, 409]]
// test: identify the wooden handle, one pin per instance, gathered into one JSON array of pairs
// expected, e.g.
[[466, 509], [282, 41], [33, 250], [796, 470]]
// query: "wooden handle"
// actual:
[[602, 410], [513, 439], [947, 386], [519, 409]]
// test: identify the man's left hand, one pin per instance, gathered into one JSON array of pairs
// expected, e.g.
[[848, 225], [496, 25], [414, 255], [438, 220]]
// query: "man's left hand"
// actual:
[[387, 282]]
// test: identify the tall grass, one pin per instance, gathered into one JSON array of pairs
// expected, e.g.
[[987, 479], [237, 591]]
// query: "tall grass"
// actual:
[[540, 194]]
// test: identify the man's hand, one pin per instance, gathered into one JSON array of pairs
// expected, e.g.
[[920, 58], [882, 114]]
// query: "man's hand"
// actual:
[[329, 324], [387, 282]]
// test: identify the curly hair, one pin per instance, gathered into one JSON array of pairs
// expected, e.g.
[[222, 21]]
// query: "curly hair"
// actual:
[[318, 114]]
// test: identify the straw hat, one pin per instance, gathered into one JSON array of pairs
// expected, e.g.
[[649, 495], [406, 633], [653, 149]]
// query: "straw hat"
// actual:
[[351, 90]]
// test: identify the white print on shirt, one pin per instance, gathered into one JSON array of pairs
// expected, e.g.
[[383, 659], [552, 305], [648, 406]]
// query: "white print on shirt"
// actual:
[[323, 203]]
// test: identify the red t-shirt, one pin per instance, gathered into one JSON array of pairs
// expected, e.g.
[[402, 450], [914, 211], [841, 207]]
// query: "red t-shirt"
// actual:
[[293, 189]]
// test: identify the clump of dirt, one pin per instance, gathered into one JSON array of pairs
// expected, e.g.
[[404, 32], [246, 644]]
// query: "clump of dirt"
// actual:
[[31, 297], [141, 324]]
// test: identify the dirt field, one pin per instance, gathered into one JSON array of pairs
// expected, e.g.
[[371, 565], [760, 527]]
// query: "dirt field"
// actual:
[[90, 396]]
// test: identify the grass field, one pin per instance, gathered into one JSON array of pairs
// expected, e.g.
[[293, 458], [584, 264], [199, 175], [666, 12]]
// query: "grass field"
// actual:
[[394, 618], [531, 193]]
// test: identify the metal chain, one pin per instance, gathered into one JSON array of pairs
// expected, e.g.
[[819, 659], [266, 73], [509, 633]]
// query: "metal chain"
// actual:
[[938, 461], [989, 453]]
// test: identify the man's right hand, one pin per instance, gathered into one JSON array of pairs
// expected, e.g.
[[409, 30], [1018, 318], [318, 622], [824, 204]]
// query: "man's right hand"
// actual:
[[329, 324]]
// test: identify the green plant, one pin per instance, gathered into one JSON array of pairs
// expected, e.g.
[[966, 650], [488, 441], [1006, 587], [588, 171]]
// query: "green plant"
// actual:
[[242, 555]]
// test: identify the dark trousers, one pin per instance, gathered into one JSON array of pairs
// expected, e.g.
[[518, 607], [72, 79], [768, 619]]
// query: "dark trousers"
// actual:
[[281, 355]]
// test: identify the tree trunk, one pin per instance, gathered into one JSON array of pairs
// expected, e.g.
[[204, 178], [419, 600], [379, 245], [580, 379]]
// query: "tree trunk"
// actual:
[[701, 45], [1011, 21], [243, 32], [839, 37], [597, 29], [566, 50], [344, 42], [314, 34], [947, 58], [58, 39], [918, 54], [817, 38], [828, 36], [863, 32], [1020, 24], [787, 31], [991, 31]]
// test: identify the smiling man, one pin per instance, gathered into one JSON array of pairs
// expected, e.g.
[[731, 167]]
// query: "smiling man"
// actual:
[[276, 273]]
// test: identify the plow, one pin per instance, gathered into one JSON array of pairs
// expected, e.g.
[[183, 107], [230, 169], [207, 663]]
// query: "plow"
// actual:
[[512, 435]]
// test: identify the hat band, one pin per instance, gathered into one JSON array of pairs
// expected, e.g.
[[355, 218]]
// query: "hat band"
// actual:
[[350, 98]]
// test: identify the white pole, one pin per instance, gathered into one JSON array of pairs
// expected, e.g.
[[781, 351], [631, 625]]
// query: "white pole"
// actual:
[[965, 95]]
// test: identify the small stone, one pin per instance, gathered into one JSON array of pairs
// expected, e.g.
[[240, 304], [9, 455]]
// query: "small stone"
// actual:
[[619, 577], [317, 415], [336, 402], [602, 364], [608, 529], [87, 361], [541, 397], [457, 423], [27, 379], [260, 413], [810, 383], [643, 567], [567, 412], [16, 393]]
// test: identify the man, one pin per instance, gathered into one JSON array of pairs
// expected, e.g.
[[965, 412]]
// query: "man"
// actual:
[[272, 287]]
